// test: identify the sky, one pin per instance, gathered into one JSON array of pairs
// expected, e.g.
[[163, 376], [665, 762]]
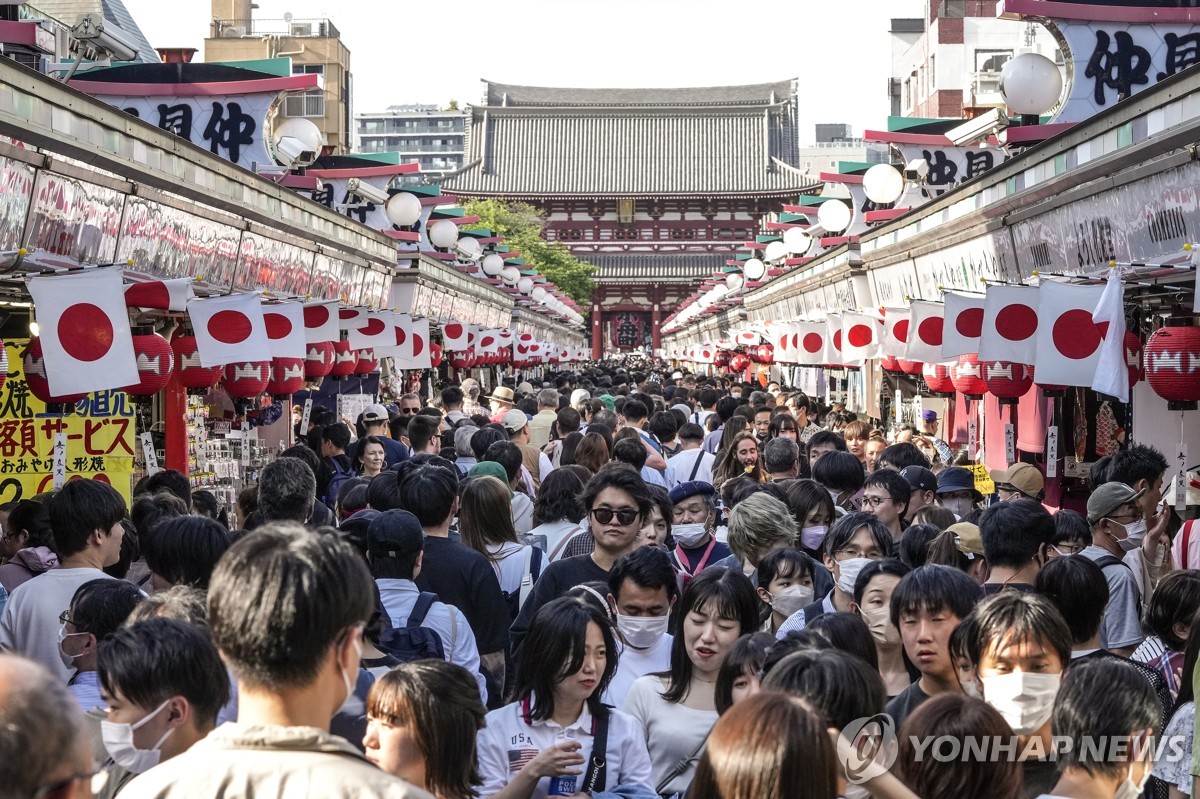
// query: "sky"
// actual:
[[403, 51]]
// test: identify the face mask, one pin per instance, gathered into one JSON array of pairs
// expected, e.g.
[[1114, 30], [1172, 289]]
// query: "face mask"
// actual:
[[63, 635], [1128, 789], [118, 740], [879, 620], [848, 572], [642, 632], [971, 689], [959, 507], [736, 394], [791, 599], [1024, 699], [357, 633], [689, 536], [811, 537], [1134, 535]]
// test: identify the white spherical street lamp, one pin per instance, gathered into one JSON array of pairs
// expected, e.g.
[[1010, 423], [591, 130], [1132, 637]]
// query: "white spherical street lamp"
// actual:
[[443, 233], [834, 216], [403, 209], [883, 184], [797, 241], [1030, 84]]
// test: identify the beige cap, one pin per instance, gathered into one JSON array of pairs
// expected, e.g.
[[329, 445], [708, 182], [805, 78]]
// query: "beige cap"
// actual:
[[967, 538], [1022, 477]]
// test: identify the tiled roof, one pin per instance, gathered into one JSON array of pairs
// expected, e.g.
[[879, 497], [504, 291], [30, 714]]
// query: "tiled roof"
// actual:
[[662, 267], [115, 11], [503, 94], [699, 142]]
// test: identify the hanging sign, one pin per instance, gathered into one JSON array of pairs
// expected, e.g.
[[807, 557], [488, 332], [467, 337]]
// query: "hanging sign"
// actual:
[[972, 437], [1010, 443], [1052, 451], [148, 453], [308, 403], [898, 407], [983, 480], [60, 459], [1181, 479]]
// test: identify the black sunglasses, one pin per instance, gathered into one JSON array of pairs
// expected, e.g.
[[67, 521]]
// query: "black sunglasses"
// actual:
[[624, 515]]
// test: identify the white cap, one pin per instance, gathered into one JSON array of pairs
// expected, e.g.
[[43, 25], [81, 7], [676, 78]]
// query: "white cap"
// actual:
[[375, 413], [580, 395]]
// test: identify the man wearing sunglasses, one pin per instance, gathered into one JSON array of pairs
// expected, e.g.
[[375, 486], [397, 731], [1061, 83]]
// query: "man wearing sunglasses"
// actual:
[[618, 503]]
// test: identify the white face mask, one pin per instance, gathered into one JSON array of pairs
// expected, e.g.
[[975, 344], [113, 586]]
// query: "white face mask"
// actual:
[[1135, 533], [347, 679], [791, 599], [1128, 789], [118, 740], [959, 506], [1024, 699], [879, 620], [811, 537], [689, 536], [63, 635], [642, 632]]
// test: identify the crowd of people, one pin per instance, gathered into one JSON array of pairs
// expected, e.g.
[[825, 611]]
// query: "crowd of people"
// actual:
[[617, 585]]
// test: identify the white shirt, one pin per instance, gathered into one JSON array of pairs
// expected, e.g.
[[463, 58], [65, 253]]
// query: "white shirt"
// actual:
[[679, 468], [653, 477], [672, 731], [30, 625], [507, 743], [458, 642], [522, 512], [509, 565], [555, 532], [634, 663], [700, 417]]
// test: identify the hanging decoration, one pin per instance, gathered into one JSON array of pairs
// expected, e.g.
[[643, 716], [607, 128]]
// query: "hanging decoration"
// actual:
[[345, 360], [34, 365], [246, 380], [155, 362], [1006, 380], [287, 377], [1172, 357], [187, 363], [967, 377], [319, 361]]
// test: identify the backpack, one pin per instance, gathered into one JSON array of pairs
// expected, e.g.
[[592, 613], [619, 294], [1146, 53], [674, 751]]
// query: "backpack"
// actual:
[[516, 599], [340, 476], [412, 641]]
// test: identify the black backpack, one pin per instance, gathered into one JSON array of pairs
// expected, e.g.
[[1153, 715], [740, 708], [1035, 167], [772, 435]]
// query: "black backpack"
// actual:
[[412, 641]]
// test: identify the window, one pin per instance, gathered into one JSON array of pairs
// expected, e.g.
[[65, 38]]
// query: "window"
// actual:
[[991, 60], [932, 72], [308, 69], [309, 104]]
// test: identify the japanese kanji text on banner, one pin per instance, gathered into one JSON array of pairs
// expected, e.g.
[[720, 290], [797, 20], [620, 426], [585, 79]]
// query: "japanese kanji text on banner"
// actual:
[[100, 437]]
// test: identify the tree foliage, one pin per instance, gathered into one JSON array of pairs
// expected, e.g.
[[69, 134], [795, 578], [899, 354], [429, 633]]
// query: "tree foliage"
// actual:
[[521, 226]]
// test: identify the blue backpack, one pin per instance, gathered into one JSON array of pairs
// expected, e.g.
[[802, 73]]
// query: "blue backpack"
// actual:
[[339, 478], [412, 641]]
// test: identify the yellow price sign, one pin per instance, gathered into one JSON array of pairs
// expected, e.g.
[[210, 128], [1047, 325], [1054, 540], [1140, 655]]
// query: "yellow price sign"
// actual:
[[983, 479]]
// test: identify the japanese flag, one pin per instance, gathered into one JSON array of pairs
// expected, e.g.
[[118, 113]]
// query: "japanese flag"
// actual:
[[376, 332], [860, 336], [833, 340], [401, 328], [506, 337], [455, 336], [352, 318], [229, 329], [1010, 324], [523, 346], [895, 332], [1068, 341], [320, 322], [415, 355], [285, 329], [86, 341], [166, 295], [810, 349], [963, 324], [924, 332], [1112, 375], [782, 337], [488, 341]]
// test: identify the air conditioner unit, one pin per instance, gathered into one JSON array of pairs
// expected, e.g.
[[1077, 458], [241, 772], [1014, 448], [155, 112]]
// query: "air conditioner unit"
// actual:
[[302, 29], [233, 32]]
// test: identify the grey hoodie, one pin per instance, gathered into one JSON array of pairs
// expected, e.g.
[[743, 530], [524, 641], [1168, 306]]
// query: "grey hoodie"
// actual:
[[25, 565]]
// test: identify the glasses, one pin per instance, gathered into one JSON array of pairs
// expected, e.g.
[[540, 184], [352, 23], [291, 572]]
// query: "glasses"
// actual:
[[408, 411], [65, 617], [852, 552], [623, 515], [873, 502]]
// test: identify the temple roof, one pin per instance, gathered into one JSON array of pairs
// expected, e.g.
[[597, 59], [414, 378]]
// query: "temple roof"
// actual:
[[661, 267], [706, 142]]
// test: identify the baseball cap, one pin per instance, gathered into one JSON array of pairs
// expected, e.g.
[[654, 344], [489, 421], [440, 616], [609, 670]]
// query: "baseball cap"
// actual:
[[967, 538], [524, 388], [929, 415], [956, 478], [395, 534], [514, 420], [579, 395], [691, 488], [468, 384], [1022, 477], [375, 413], [920, 478], [1107, 498]]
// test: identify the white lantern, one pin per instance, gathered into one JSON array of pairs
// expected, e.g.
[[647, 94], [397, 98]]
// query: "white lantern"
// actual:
[[403, 209], [796, 241], [538, 294], [492, 264], [734, 281], [525, 285], [510, 275], [297, 142], [443, 233], [834, 216], [470, 248], [754, 269], [1030, 83], [776, 251], [883, 184]]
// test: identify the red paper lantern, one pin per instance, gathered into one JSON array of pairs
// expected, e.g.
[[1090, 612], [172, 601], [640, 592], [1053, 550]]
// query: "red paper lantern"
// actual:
[[911, 367], [1172, 357], [435, 354], [967, 377], [463, 359], [1133, 358], [155, 361], [287, 377], [739, 362], [766, 353], [1008, 381], [367, 362], [721, 359], [35, 376], [187, 364], [937, 377], [319, 362], [890, 364], [345, 360], [245, 380]]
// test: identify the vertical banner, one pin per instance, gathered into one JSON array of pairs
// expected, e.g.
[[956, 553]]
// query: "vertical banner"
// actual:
[[148, 453], [305, 416], [898, 407], [60, 459], [1052, 451], [1010, 444], [1181, 478], [973, 436]]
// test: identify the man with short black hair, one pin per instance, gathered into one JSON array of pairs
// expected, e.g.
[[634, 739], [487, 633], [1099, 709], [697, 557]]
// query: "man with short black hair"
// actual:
[[335, 464], [692, 462], [726, 408], [287, 608], [922, 489], [424, 434], [1017, 539], [642, 589], [761, 423], [97, 610], [886, 497], [452, 404], [707, 400], [173, 481], [86, 518], [286, 491]]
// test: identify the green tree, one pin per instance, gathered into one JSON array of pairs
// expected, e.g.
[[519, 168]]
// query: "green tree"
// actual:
[[453, 106], [521, 226]]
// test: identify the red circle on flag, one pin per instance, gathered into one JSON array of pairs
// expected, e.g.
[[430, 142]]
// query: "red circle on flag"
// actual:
[[152, 295], [837, 340], [89, 332], [930, 330], [401, 336], [347, 313], [230, 327], [783, 341], [1075, 335], [970, 322], [373, 327], [1016, 322], [900, 330], [486, 342], [315, 315], [859, 336], [454, 330], [278, 326], [418, 345], [813, 342]]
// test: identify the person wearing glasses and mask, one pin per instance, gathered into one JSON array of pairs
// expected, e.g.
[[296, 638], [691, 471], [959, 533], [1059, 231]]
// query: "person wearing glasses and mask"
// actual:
[[618, 503], [1118, 527]]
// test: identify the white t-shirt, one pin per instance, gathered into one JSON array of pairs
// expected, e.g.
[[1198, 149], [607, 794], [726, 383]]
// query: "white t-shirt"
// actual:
[[634, 663], [679, 468], [509, 565], [507, 743], [458, 641], [30, 625], [672, 731], [555, 532], [522, 513]]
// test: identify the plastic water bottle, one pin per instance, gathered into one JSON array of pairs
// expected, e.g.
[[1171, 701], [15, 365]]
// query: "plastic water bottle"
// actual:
[[564, 784]]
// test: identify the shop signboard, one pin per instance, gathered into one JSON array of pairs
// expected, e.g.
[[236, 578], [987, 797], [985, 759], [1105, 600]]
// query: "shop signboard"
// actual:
[[950, 165], [963, 266]]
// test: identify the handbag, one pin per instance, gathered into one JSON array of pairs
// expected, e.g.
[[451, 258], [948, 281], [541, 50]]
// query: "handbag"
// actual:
[[681, 767]]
